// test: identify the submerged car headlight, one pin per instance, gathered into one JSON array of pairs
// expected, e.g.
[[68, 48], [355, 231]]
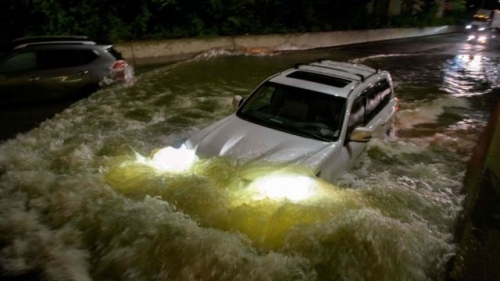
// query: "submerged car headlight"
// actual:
[[482, 39], [471, 37], [468, 26], [170, 159], [481, 28], [284, 187]]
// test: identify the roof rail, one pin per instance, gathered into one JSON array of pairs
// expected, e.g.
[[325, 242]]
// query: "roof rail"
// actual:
[[340, 69], [32, 40], [360, 67], [49, 38], [298, 65], [55, 43], [347, 65]]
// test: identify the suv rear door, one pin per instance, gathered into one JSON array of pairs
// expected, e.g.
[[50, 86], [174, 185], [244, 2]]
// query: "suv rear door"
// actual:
[[66, 71]]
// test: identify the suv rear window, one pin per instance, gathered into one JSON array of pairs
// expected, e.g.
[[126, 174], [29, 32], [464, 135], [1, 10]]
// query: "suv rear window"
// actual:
[[319, 78], [115, 53]]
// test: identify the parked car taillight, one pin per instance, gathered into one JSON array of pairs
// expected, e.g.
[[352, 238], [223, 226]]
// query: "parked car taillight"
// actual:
[[120, 71]]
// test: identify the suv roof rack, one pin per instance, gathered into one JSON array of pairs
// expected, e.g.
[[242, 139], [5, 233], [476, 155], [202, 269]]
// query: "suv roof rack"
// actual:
[[340, 72], [360, 70], [39, 40], [29, 39]]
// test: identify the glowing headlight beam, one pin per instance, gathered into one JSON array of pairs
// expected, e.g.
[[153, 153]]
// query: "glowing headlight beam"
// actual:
[[284, 186], [170, 159]]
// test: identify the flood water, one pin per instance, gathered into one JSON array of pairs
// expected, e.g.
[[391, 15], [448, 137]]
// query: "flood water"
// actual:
[[76, 204]]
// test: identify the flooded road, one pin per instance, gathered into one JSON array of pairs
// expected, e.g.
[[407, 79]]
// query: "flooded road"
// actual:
[[77, 201]]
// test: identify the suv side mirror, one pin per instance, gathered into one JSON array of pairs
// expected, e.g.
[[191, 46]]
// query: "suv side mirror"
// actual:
[[237, 100], [361, 134]]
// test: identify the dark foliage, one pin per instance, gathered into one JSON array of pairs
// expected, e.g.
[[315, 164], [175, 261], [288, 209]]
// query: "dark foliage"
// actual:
[[160, 19]]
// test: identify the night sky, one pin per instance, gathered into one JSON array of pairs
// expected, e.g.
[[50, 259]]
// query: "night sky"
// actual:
[[487, 4]]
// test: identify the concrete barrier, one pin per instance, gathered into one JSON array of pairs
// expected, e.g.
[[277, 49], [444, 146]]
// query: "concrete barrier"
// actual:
[[163, 51], [478, 231]]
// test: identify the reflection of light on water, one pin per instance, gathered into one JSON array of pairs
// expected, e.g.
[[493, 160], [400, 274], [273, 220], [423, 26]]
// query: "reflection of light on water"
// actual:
[[469, 75], [472, 62], [284, 186], [170, 159]]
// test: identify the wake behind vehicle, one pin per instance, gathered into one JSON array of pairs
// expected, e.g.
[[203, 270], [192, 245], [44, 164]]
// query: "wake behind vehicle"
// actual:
[[320, 115], [42, 68]]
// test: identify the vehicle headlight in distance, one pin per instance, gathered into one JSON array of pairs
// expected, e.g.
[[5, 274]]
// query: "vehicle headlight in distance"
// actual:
[[278, 186], [471, 37], [468, 26], [482, 39], [170, 159]]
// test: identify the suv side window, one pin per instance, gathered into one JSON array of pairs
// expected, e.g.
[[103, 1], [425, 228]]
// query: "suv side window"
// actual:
[[357, 116], [20, 62], [88, 56], [377, 97], [372, 102], [50, 59], [369, 104], [385, 92]]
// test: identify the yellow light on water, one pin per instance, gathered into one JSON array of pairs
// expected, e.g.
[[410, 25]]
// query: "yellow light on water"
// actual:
[[284, 186], [170, 159]]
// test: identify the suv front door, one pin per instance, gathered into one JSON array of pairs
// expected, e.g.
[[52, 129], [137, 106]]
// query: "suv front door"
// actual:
[[19, 80]]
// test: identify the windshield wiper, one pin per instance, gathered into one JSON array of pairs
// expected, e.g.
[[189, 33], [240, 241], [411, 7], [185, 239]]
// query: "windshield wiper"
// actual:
[[289, 128], [314, 135], [305, 133]]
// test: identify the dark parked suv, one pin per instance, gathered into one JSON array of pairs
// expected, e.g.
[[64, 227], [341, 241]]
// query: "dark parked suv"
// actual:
[[40, 68]]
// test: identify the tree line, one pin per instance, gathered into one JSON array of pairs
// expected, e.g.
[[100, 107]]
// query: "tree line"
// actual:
[[119, 20]]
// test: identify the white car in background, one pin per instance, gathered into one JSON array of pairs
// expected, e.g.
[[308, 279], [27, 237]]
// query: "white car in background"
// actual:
[[320, 115]]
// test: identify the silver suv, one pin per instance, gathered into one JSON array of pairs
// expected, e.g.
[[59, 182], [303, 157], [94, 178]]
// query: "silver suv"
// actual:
[[319, 115], [39, 68]]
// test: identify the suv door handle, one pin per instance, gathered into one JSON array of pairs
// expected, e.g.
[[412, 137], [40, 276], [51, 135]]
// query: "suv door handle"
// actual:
[[34, 79], [83, 72]]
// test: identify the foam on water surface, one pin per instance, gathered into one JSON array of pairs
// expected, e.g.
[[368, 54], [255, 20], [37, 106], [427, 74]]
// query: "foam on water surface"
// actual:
[[75, 204]]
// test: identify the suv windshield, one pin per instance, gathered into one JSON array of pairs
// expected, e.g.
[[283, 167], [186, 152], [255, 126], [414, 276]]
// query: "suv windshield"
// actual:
[[294, 110]]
